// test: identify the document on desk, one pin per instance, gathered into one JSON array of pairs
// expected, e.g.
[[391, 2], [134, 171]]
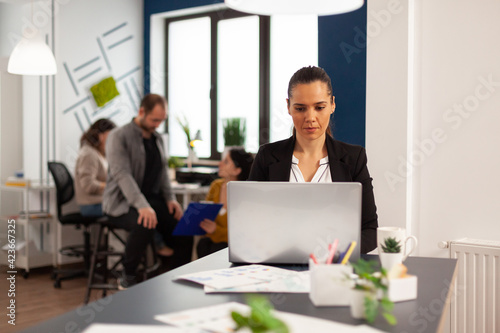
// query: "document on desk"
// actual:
[[236, 276], [217, 318], [189, 224], [117, 328], [288, 282], [251, 278]]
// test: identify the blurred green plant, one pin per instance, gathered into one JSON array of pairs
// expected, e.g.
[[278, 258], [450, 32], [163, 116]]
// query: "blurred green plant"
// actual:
[[234, 131], [371, 281], [175, 162], [261, 318], [185, 127]]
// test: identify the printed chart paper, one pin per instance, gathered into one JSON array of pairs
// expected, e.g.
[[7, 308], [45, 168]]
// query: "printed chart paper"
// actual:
[[236, 276], [121, 328], [290, 282], [218, 319]]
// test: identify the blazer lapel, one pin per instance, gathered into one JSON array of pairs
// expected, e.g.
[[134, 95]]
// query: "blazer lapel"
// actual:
[[338, 169], [280, 170]]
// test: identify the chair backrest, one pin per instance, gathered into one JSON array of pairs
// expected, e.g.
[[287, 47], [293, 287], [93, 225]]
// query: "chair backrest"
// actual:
[[64, 184]]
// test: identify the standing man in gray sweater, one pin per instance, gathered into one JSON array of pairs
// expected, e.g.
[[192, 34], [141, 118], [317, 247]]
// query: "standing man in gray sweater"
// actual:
[[137, 196]]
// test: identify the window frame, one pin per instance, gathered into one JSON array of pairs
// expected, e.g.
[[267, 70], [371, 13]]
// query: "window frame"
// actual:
[[264, 71]]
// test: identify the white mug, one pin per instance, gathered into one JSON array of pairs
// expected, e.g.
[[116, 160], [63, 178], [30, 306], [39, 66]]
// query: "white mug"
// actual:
[[400, 235]]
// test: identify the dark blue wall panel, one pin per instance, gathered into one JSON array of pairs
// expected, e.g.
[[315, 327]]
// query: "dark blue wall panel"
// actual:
[[342, 53]]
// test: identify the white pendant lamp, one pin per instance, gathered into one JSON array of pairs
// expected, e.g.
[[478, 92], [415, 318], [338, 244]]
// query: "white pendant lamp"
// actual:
[[294, 7], [32, 56]]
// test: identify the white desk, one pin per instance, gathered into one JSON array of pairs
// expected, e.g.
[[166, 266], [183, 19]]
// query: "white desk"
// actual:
[[188, 191]]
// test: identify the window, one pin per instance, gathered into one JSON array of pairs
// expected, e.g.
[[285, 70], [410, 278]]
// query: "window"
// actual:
[[238, 76], [189, 82], [226, 64]]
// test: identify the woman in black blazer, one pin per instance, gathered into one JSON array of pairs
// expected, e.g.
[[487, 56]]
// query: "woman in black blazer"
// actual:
[[311, 154]]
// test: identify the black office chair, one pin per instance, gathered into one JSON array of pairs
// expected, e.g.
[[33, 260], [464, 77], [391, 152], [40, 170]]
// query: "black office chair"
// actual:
[[65, 193]]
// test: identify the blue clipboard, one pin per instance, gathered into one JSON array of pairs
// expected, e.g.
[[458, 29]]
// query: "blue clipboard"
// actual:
[[189, 224]]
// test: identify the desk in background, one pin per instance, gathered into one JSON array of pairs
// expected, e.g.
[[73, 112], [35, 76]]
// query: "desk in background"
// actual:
[[160, 295], [203, 175], [189, 191]]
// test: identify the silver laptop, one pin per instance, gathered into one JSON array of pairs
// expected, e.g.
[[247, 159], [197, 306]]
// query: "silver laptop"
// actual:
[[282, 223]]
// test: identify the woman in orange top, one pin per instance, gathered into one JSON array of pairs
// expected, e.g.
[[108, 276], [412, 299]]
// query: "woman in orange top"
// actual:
[[234, 166]]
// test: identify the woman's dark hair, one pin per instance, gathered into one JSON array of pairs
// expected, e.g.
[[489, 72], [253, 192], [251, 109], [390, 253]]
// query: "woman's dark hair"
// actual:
[[91, 136], [307, 75], [242, 160]]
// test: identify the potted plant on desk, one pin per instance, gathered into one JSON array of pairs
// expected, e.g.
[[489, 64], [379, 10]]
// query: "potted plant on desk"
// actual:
[[369, 286], [391, 254], [234, 131], [174, 162]]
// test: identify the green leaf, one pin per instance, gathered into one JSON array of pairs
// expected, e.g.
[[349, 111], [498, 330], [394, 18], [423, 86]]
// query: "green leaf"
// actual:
[[387, 305], [261, 318], [185, 127], [239, 319], [390, 318], [371, 306]]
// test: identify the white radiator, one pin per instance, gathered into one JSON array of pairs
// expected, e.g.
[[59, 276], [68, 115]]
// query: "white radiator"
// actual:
[[475, 303]]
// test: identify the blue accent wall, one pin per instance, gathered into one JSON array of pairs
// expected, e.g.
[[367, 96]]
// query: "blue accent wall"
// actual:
[[342, 53]]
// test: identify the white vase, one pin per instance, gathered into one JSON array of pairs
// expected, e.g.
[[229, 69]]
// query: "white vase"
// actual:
[[389, 260], [192, 158], [358, 303], [171, 174]]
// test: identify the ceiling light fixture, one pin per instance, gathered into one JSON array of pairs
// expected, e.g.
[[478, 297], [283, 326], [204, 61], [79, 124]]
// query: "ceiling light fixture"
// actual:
[[32, 56], [294, 7]]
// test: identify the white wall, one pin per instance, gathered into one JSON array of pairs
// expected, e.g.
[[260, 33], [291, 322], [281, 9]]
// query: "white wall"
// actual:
[[11, 144], [452, 190], [47, 123], [10, 95], [10, 25], [82, 31], [386, 104], [85, 34]]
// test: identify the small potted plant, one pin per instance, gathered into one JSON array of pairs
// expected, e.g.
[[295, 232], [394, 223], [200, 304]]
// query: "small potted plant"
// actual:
[[391, 254], [174, 162], [369, 294], [234, 131]]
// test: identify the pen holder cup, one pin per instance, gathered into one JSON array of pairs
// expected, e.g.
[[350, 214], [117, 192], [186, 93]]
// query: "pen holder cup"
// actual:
[[330, 285]]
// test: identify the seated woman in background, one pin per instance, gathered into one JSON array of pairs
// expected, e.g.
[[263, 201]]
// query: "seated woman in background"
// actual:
[[311, 154], [92, 168], [234, 166]]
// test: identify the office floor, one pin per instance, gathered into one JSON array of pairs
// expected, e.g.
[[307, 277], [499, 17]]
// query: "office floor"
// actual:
[[37, 300]]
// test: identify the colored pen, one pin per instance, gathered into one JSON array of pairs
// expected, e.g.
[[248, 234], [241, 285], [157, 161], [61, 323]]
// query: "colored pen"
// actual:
[[342, 254], [333, 248], [349, 252], [313, 258]]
